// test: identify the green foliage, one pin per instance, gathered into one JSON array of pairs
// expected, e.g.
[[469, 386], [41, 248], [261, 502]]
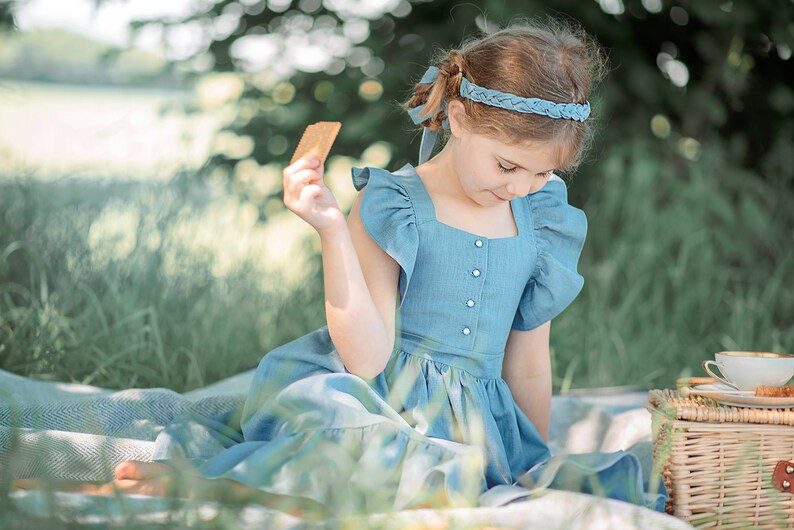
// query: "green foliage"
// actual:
[[73, 309], [688, 196], [711, 71], [677, 269], [686, 193], [7, 21]]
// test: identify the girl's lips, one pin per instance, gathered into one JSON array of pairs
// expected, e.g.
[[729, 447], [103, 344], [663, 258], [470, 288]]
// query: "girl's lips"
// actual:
[[498, 197]]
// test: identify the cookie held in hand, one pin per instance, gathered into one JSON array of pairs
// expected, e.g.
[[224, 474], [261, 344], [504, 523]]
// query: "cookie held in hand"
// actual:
[[318, 139]]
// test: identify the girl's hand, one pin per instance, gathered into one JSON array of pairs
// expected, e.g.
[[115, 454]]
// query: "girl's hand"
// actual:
[[306, 195]]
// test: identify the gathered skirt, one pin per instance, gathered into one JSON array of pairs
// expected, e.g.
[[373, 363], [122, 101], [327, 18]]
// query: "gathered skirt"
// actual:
[[432, 430]]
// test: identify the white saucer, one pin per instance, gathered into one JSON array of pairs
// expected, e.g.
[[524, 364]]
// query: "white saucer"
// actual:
[[738, 398]]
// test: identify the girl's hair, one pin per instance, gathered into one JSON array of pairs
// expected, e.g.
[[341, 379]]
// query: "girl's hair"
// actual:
[[555, 60]]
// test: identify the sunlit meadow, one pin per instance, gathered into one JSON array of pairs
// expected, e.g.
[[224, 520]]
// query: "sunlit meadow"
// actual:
[[128, 260], [119, 267]]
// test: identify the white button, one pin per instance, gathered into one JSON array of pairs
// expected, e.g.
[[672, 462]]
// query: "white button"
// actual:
[[470, 303], [478, 243], [466, 331], [475, 272]]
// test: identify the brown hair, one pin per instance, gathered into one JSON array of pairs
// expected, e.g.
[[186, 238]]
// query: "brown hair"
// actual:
[[554, 60]]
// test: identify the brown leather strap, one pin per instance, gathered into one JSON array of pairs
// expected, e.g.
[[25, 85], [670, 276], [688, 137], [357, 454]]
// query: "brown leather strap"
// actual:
[[783, 476]]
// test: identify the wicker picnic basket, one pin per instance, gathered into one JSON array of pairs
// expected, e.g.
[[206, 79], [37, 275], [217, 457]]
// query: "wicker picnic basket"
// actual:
[[724, 466]]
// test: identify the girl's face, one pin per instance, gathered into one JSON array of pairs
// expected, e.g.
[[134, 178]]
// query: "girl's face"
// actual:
[[491, 171]]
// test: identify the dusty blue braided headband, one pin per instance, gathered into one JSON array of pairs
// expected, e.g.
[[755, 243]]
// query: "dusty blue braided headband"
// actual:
[[495, 98]]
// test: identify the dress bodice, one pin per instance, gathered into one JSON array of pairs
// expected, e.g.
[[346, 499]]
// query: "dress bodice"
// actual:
[[461, 293]]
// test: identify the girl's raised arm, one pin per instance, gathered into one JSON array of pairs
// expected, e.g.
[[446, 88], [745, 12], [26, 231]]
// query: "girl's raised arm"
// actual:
[[360, 279]]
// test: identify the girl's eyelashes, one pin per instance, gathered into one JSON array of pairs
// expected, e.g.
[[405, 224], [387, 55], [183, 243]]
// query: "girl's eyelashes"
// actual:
[[505, 169]]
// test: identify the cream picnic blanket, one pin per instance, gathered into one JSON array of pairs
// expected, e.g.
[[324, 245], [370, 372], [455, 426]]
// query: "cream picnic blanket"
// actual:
[[80, 432]]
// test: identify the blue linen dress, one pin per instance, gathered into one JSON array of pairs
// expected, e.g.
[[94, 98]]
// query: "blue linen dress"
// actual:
[[439, 425]]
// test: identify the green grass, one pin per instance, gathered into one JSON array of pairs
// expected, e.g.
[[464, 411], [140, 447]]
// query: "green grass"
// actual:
[[682, 259], [160, 316], [97, 284]]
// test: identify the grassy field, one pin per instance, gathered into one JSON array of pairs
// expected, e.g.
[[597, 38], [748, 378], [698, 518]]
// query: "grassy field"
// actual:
[[139, 280], [683, 259], [114, 273], [123, 282], [135, 284]]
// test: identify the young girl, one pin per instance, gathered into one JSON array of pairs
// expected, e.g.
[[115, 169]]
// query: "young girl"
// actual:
[[431, 383]]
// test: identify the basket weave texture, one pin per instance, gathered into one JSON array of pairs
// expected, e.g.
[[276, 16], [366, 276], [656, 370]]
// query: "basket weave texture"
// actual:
[[717, 461]]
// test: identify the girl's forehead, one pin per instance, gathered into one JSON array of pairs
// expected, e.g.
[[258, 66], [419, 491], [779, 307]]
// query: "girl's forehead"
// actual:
[[526, 154]]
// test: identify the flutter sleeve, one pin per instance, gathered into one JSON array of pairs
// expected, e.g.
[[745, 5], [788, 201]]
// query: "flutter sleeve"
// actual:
[[387, 214], [559, 231]]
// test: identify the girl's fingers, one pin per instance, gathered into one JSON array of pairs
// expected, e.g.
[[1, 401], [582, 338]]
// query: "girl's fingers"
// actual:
[[301, 179], [301, 163], [311, 191]]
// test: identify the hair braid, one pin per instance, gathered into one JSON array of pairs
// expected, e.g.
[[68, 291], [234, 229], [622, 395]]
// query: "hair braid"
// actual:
[[444, 89]]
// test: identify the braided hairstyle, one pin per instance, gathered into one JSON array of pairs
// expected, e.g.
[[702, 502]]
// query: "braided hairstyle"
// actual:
[[554, 60]]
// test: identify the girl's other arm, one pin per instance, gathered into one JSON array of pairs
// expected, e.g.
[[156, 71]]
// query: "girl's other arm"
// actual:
[[360, 279], [527, 370]]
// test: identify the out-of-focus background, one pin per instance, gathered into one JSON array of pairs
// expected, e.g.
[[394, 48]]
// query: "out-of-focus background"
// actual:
[[144, 242]]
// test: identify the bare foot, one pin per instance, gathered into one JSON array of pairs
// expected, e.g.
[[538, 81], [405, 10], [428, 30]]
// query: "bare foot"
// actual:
[[152, 475], [132, 477], [137, 470], [156, 479], [156, 487]]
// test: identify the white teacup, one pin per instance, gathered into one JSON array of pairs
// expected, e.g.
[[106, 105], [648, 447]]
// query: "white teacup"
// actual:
[[747, 370]]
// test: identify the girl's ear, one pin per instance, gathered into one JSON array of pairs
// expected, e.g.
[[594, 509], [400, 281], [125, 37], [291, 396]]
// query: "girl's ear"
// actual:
[[456, 113]]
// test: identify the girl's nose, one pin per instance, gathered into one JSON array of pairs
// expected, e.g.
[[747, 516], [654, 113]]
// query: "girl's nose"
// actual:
[[516, 191]]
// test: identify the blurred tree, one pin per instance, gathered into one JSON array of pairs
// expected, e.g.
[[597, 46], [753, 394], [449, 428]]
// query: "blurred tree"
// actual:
[[689, 190], [688, 195], [7, 15], [684, 72]]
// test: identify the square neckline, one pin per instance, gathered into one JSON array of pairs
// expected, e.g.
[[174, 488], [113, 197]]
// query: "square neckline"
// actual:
[[434, 216]]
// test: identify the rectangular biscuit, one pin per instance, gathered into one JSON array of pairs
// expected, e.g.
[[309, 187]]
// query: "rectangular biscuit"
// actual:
[[317, 138]]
